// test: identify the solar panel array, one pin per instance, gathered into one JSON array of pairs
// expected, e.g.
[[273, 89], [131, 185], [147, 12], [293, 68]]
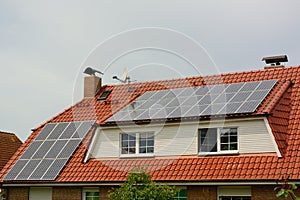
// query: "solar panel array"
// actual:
[[49, 152], [196, 101]]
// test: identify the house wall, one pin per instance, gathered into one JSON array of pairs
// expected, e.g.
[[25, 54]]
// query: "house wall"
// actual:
[[202, 192], [63, 193], [18, 193], [258, 192], [253, 137]]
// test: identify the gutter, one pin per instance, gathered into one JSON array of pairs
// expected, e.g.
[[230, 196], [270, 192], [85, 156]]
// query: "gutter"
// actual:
[[223, 183]]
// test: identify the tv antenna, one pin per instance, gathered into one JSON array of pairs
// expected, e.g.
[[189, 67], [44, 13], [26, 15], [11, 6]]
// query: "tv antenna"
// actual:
[[125, 78]]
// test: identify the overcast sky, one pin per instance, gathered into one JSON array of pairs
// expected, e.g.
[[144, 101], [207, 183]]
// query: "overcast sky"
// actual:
[[46, 44]]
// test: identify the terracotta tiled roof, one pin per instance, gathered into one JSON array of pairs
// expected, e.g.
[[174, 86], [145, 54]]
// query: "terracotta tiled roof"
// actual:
[[282, 107], [9, 144]]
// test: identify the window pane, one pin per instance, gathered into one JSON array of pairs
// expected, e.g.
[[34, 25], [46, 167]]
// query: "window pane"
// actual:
[[235, 198], [208, 140], [229, 139], [131, 150], [146, 143], [92, 195], [224, 198], [128, 143], [150, 150], [143, 150], [181, 195]]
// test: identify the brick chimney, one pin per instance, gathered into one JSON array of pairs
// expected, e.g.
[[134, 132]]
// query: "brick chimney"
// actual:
[[92, 85]]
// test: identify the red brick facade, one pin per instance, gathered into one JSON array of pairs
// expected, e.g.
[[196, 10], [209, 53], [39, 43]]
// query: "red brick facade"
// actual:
[[18, 193], [202, 192], [70, 193], [260, 192]]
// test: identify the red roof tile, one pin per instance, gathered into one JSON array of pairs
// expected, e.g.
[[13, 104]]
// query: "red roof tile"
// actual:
[[9, 144], [283, 104]]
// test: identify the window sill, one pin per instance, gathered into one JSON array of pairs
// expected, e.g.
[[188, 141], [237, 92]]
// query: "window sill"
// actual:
[[218, 153], [149, 155]]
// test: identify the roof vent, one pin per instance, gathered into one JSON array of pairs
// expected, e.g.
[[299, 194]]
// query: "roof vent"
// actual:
[[275, 61]]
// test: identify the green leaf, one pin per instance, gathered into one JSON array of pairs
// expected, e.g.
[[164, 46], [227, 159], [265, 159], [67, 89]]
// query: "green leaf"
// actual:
[[294, 186]]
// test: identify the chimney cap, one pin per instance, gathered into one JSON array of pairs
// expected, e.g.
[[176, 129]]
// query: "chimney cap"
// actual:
[[275, 59], [91, 71]]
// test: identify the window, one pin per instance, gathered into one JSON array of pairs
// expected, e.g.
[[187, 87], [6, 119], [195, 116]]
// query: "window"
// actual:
[[235, 198], [218, 140], [181, 195], [234, 193], [104, 95], [90, 194], [137, 143]]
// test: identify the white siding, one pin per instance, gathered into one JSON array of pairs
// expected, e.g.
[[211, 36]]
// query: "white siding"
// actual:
[[182, 138], [40, 193]]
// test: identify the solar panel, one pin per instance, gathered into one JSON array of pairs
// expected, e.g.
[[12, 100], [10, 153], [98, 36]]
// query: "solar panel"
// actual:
[[58, 130], [56, 149], [15, 170], [70, 130], [48, 153], [31, 149], [45, 132], [54, 169], [205, 100], [40, 170], [44, 148], [28, 169]]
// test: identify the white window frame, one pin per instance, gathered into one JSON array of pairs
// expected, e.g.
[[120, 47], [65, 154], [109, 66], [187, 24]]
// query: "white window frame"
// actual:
[[219, 151], [85, 190], [137, 145], [234, 191]]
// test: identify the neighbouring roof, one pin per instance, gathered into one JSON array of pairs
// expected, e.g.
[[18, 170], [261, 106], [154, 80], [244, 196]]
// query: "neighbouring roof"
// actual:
[[282, 106], [9, 144]]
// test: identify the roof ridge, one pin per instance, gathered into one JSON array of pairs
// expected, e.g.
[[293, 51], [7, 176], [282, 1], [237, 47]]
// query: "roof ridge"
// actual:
[[205, 76], [7, 132]]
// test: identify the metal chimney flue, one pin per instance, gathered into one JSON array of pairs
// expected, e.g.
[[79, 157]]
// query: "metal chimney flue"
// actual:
[[275, 61]]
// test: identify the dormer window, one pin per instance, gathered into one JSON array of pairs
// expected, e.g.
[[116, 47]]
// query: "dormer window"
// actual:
[[218, 140], [139, 144]]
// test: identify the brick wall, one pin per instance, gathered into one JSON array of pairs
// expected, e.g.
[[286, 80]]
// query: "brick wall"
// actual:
[[202, 192], [18, 193], [103, 192], [69, 193], [264, 192]]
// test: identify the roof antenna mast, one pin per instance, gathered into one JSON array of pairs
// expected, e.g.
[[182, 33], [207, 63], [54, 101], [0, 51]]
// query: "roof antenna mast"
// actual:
[[125, 78]]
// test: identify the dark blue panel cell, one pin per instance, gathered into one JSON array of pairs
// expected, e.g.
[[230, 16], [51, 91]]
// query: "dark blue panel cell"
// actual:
[[56, 148], [31, 150], [83, 129], [249, 86], [16, 169], [45, 132], [70, 130], [44, 148], [69, 148], [41, 170], [28, 169], [266, 85], [53, 171], [58, 130], [249, 106]]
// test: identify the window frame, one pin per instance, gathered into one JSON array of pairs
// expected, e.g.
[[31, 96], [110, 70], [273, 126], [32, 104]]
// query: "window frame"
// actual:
[[234, 191], [177, 197], [85, 190], [219, 151], [137, 145]]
